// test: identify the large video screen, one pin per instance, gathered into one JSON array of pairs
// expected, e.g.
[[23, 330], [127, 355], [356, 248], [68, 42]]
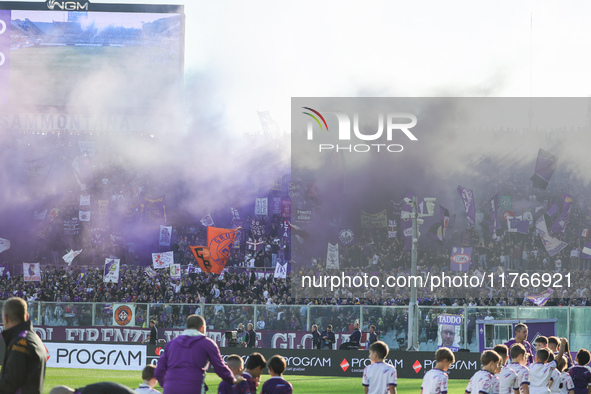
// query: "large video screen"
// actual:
[[78, 54]]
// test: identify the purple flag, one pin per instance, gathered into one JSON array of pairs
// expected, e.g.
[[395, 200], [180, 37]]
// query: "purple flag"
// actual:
[[81, 275], [435, 232], [151, 272], [276, 205], [523, 226], [553, 210], [468, 200], [552, 245], [560, 224], [545, 167], [542, 298], [460, 259], [587, 251], [407, 224]]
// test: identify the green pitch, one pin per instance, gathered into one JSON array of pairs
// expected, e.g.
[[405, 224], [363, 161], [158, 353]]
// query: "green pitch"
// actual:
[[61, 75], [301, 384]]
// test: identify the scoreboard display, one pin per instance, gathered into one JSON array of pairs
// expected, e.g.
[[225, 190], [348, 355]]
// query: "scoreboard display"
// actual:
[[78, 54]]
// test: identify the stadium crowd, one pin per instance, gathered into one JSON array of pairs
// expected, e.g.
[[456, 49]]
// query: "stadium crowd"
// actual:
[[107, 176]]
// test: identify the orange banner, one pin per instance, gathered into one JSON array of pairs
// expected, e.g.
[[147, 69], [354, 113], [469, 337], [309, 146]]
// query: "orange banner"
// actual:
[[220, 242], [203, 257]]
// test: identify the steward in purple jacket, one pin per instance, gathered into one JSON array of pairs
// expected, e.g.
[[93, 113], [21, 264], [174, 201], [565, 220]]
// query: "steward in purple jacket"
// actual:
[[181, 369]]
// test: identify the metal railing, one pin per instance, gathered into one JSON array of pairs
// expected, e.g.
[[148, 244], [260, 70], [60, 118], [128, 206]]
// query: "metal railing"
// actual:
[[391, 321]]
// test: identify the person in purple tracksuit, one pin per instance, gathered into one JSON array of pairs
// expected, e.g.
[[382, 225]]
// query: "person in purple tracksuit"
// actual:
[[181, 369]]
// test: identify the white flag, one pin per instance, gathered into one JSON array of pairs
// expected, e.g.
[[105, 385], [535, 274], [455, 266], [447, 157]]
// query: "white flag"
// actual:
[[84, 216], [332, 256], [111, 273], [553, 245], [4, 244], [281, 270], [162, 260], [32, 272], [69, 257], [165, 235], [207, 220], [261, 206], [85, 200], [39, 215], [175, 271]]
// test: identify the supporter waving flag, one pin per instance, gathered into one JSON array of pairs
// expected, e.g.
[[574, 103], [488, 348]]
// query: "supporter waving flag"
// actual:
[[69, 257], [545, 167], [468, 200], [220, 241], [540, 299], [4, 244]]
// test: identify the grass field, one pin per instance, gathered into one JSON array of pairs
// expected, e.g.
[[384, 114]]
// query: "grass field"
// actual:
[[301, 384], [50, 75]]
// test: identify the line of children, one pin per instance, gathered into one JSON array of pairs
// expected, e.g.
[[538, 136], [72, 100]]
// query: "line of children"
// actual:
[[540, 342], [580, 373], [562, 383], [379, 377], [541, 370], [507, 377], [518, 364], [276, 384], [252, 371], [435, 380], [255, 364], [236, 365], [546, 376], [485, 380], [149, 381]]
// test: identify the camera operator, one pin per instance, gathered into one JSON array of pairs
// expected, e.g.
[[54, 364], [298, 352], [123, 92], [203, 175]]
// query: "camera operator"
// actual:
[[241, 336]]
